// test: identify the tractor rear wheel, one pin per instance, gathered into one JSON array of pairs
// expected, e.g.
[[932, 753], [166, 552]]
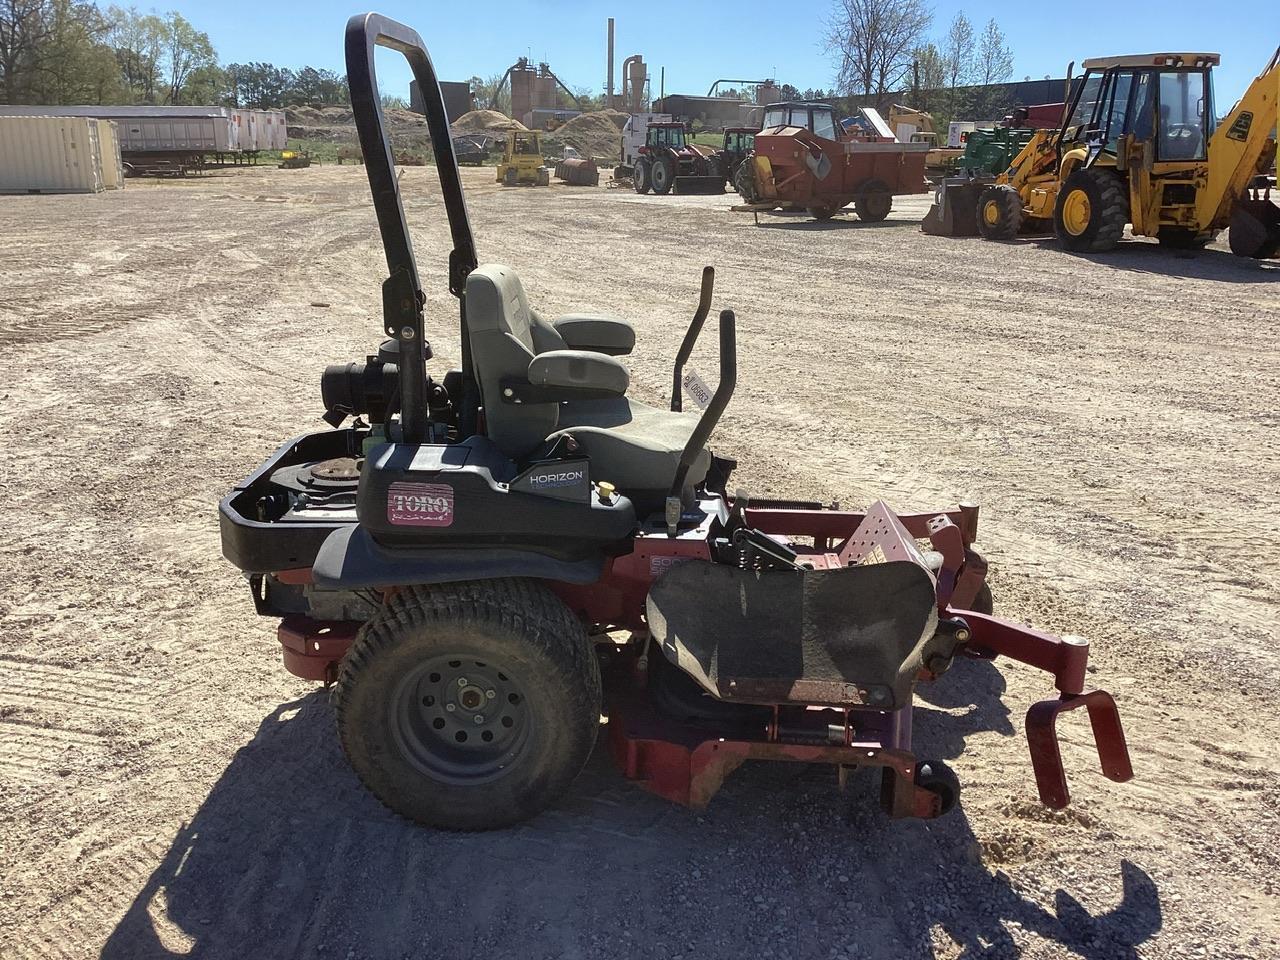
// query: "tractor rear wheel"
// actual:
[[640, 176], [469, 706], [662, 174], [999, 212], [873, 204], [1091, 212]]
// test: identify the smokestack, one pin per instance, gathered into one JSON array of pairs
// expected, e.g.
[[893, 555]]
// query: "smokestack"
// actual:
[[608, 84]]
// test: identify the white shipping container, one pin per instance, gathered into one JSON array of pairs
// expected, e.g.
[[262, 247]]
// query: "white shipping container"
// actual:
[[50, 154], [250, 135]]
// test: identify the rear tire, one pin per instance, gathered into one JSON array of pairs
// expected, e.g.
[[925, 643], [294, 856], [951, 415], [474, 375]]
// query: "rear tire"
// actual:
[[469, 706], [1091, 212], [662, 174], [640, 176], [999, 212], [873, 204]]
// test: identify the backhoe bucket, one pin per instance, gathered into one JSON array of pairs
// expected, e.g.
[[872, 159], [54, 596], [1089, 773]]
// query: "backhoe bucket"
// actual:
[[955, 210], [699, 185]]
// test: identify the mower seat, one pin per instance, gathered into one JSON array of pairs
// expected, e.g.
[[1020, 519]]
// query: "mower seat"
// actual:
[[633, 446]]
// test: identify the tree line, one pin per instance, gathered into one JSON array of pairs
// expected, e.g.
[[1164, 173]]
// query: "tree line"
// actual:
[[883, 52], [73, 52]]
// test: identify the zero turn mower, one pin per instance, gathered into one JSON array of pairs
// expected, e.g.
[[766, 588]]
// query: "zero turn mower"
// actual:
[[484, 564]]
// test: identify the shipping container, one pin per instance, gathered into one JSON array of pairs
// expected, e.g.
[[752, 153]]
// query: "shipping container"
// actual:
[[49, 155]]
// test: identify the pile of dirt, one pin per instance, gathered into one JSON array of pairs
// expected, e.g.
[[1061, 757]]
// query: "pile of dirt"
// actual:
[[485, 121], [408, 130], [592, 134]]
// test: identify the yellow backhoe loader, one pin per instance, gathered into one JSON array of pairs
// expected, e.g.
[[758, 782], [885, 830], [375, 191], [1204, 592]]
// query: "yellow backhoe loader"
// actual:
[[1138, 145]]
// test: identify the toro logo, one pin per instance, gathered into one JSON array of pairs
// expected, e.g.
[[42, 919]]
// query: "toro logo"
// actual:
[[420, 504]]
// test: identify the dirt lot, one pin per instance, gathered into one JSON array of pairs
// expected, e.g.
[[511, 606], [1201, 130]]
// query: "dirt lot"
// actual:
[[167, 789]]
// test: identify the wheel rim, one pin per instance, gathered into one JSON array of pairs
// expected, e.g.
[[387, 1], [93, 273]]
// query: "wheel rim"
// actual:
[[460, 720], [1076, 212], [991, 213], [659, 175]]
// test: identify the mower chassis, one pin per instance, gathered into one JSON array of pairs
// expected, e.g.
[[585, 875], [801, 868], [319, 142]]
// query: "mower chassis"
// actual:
[[687, 762]]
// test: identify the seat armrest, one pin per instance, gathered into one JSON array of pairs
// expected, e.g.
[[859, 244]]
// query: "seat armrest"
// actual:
[[578, 370], [582, 331]]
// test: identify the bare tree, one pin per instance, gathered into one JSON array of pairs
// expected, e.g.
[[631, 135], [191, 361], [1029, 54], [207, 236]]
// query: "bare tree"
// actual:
[[872, 43], [958, 57], [995, 59]]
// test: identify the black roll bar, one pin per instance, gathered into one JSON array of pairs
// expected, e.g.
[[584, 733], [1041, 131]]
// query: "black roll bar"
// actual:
[[691, 336], [710, 416], [402, 297]]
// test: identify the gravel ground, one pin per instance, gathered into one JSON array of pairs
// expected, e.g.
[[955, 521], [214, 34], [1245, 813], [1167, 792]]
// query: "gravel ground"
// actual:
[[167, 789]]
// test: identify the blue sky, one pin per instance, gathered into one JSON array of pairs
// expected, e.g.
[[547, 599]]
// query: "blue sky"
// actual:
[[700, 42]]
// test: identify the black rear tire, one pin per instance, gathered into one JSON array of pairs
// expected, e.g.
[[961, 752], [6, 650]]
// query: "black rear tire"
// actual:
[[874, 203], [744, 179], [999, 212], [1106, 211], [490, 761], [640, 176], [663, 175]]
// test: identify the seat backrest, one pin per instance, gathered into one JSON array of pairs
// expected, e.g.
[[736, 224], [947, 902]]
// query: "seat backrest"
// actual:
[[502, 333]]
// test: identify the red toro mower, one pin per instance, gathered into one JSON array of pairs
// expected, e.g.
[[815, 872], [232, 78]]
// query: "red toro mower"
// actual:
[[485, 564]]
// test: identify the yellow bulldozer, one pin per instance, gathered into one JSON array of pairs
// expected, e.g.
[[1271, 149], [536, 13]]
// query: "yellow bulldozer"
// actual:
[[1139, 144], [522, 160]]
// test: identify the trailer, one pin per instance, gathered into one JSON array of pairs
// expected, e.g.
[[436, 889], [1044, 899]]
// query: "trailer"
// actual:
[[177, 140]]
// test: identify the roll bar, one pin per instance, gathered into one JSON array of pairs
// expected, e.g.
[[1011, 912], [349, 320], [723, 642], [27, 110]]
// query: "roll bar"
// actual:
[[402, 297], [691, 336], [710, 416]]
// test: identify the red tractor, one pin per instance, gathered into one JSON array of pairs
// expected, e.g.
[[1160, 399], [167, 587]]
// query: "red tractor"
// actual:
[[667, 160]]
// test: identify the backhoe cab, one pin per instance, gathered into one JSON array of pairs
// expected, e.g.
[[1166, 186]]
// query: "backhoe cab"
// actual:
[[1139, 144]]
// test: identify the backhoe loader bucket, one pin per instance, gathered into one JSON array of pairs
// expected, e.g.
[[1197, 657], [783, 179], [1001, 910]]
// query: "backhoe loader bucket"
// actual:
[[955, 209]]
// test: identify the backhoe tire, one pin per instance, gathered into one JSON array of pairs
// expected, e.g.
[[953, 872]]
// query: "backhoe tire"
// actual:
[[640, 176], [1180, 238], [470, 705], [873, 204], [999, 212], [663, 175], [1091, 212]]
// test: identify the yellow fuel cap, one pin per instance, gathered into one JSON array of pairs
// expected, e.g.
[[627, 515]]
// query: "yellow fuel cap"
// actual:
[[606, 490]]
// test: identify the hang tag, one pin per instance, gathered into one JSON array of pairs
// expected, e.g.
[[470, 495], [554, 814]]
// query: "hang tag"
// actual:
[[696, 388]]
